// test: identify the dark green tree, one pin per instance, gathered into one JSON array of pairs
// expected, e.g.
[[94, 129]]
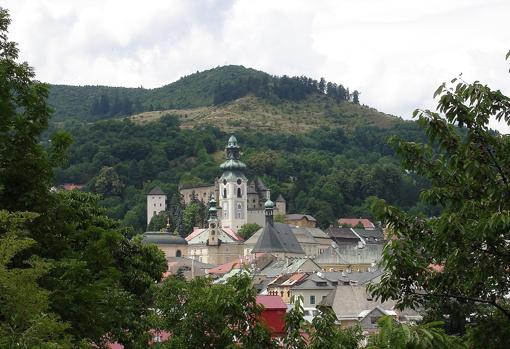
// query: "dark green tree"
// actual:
[[248, 229], [462, 253]]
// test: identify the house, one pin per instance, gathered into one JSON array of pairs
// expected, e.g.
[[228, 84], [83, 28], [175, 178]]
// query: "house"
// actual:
[[188, 267], [281, 285], [350, 257], [301, 220], [356, 222], [313, 290], [352, 304], [343, 236], [273, 314]]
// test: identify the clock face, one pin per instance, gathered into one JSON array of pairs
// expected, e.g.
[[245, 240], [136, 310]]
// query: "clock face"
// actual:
[[239, 181]]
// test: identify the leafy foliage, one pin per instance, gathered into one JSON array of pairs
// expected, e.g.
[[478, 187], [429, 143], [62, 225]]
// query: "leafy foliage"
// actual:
[[327, 173], [25, 317], [198, 314], [468, 167], [247, 230], [401, 336]]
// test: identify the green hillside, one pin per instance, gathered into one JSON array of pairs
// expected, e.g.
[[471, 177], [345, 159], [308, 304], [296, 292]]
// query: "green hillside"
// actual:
[[298, 99], [195, 90], [255, 113]]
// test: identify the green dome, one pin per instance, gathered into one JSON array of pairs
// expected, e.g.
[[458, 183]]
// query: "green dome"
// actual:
[[232, 165], [232, 141], [269, 204]]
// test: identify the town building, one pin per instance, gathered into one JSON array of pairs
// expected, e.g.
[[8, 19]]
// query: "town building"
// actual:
[[313, 241], [214, 245], [156, 203], [355, 223], [301, 220]]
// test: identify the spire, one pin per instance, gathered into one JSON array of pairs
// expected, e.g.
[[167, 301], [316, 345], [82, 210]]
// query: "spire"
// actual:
[[232, 156], [269, 206], [212, 209]]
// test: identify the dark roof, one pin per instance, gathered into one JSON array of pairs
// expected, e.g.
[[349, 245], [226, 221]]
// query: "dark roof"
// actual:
[[190, 186], [156, 191], [277, 238], [297, 216], [371, 234], [344, 233], [163, 238], [280, 198], [259, 185]]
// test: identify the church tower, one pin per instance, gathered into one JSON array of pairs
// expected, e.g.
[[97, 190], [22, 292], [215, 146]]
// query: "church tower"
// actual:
[[233, 188], [212, 239]]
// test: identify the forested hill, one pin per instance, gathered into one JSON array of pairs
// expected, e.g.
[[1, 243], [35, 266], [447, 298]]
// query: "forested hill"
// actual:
[[202, 89], [309, 140]]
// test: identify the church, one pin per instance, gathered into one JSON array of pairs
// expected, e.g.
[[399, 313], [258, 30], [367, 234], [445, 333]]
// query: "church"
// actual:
[[239, 202]]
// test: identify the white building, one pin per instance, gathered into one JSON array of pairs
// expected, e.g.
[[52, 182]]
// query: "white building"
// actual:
[[156, 203]]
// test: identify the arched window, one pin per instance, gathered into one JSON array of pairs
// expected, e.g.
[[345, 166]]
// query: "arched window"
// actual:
[[224, 193], [239, 192], [178, 253]]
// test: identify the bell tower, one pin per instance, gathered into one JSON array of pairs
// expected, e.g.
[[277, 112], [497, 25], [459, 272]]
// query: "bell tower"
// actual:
[[212, 239], [233, 188]]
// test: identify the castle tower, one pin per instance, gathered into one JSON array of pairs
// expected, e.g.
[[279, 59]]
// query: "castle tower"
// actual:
[[233, 188], [212, 239], [281, 205], [156, 203]]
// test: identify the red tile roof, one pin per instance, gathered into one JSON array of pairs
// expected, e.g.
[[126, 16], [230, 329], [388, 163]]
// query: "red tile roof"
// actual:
[[355, 221], [271, 302]]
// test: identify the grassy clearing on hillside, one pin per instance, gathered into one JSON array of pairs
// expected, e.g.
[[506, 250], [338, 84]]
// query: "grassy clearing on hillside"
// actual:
[[290, 117]]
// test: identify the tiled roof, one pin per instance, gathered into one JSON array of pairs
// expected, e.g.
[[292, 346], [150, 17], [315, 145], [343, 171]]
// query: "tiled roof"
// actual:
[[351, 254], [367, 224], [343, 233], [228, 231], [156, 191], [276, 238], [348, 301], [298, 216], [271, 302], [280, 198]]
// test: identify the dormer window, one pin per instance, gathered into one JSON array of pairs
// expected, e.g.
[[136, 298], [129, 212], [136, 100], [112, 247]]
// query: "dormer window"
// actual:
[[239, 181]]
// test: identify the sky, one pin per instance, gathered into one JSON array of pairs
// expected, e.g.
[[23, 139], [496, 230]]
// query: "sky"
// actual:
[[395, 52]]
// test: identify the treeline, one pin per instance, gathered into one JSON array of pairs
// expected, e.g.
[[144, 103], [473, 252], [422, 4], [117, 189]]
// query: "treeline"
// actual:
[[102, 107], [327, 173], [287, 88]]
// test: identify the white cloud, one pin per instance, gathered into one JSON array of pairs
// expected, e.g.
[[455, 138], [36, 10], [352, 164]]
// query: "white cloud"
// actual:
[[396, 52]]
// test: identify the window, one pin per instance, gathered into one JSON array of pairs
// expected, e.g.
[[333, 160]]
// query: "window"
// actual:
[[160, 205], [154, 204], [312, 299], [288, 293], [373, 320], [239, 193], [224, 193], [178, 253], [281, 293], [323, 297], [239, 181]]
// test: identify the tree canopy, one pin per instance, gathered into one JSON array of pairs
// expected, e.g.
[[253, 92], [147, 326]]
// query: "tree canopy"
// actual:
[[462, 254]]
